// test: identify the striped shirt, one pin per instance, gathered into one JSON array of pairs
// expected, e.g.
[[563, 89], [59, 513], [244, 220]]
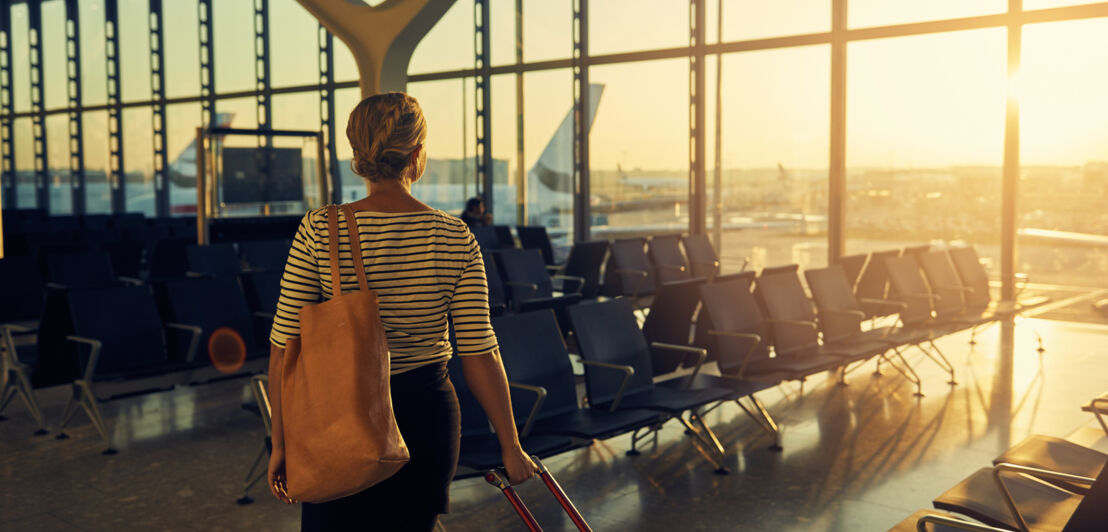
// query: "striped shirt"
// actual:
[[422, 265]]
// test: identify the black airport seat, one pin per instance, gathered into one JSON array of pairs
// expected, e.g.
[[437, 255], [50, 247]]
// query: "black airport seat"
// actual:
[[703, 258], [209, 304], [629, 272], [213, 259], [480, 448], [120, 337], [670, 322], [618, 370], [535, 359], [20, 290], [168, 258], [586, 260], [535, 237], [530, 286], [669, 261], [264, 255], [81, 269]]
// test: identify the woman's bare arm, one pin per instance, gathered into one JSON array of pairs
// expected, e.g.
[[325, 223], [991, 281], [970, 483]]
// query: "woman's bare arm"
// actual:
[[486, 379], [276, 472]]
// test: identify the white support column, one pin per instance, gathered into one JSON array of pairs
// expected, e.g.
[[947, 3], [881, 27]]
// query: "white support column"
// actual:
[[382, 38]]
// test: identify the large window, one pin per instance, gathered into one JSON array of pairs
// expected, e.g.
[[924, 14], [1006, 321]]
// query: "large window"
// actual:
[[182, 53], [134, 50], [138, 160], [295, 54], [775, 124], [925, 140], [451, 174], [1064, 153], [98, 195], [639, 155]]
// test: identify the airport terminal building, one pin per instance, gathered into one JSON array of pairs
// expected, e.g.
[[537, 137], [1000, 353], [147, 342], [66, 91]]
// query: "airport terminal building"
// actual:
[[790, 265]]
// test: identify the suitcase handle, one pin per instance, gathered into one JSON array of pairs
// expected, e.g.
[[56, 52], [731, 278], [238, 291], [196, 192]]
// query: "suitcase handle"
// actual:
[[499, 478]]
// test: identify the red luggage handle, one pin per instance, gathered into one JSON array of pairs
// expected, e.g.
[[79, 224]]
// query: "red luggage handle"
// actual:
[[498, 478]]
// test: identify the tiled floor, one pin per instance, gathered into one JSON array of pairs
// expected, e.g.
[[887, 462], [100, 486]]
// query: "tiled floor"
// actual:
[[860, 457]]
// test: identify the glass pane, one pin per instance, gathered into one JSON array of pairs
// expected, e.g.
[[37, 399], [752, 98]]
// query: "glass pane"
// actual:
[[353, 188], [233, 40], [548, 151], [547, 30], [293, 44], [53, 55], [94, 77], [98, 196], [774, 139], [138, 159], [925, 133], [346, 69], [1064, 149], [57, 164], [21, 60], [632, 25], [241, 112], [23, 138], [861, 13], [755, 19], [451, 172], [502, 41], [504, 164], [449, 45], [180, 144], [298, 110], [134, 50], [638, 161], [182, 48]]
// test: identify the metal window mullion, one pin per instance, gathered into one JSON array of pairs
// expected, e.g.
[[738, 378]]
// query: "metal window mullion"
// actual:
[[207, 74], [697, 119], [483, 102], [327, 109], [521, 174], [836, 193], [1011, 171], [157, 93], [581, 210], [38, 116], [73, 91], [7, 143], [115, 110], [261, 66]]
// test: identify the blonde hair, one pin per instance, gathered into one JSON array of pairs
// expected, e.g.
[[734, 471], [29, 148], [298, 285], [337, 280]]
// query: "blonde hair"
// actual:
[[384, 130]]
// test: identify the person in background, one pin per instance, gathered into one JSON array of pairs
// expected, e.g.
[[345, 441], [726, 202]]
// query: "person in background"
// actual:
[[424, 266], [475, 215]]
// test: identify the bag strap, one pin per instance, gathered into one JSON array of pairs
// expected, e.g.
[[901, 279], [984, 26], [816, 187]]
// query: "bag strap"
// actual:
[[355, 237], [333, 248]]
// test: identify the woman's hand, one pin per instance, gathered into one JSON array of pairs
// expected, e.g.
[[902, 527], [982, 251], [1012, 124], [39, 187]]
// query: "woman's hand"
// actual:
[[276, 476], [518, 465]]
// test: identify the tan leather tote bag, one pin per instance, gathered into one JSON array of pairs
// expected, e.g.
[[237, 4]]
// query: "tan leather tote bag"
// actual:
[[340, 433]]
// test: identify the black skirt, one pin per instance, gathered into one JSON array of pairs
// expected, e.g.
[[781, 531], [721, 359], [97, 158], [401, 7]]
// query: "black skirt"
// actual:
[[427, 413]]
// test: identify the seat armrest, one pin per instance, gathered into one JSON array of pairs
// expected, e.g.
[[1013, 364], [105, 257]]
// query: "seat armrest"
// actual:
[[194, 342], [552, 268], [55, 286], [129, 280], [14, 328], [958, 288], [540, 398], [947, 521], [94, 356], [674, 267], [258, 385], [929, 297], [628, 371], [700, 352], [884, 302], [1045, 474], [857, 313], [755, 340], [579, 282], [797, 323], [264, 315], [194, 274]]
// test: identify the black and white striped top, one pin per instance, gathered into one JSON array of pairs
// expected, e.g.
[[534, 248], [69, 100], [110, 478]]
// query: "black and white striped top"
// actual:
[[422, 266]]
